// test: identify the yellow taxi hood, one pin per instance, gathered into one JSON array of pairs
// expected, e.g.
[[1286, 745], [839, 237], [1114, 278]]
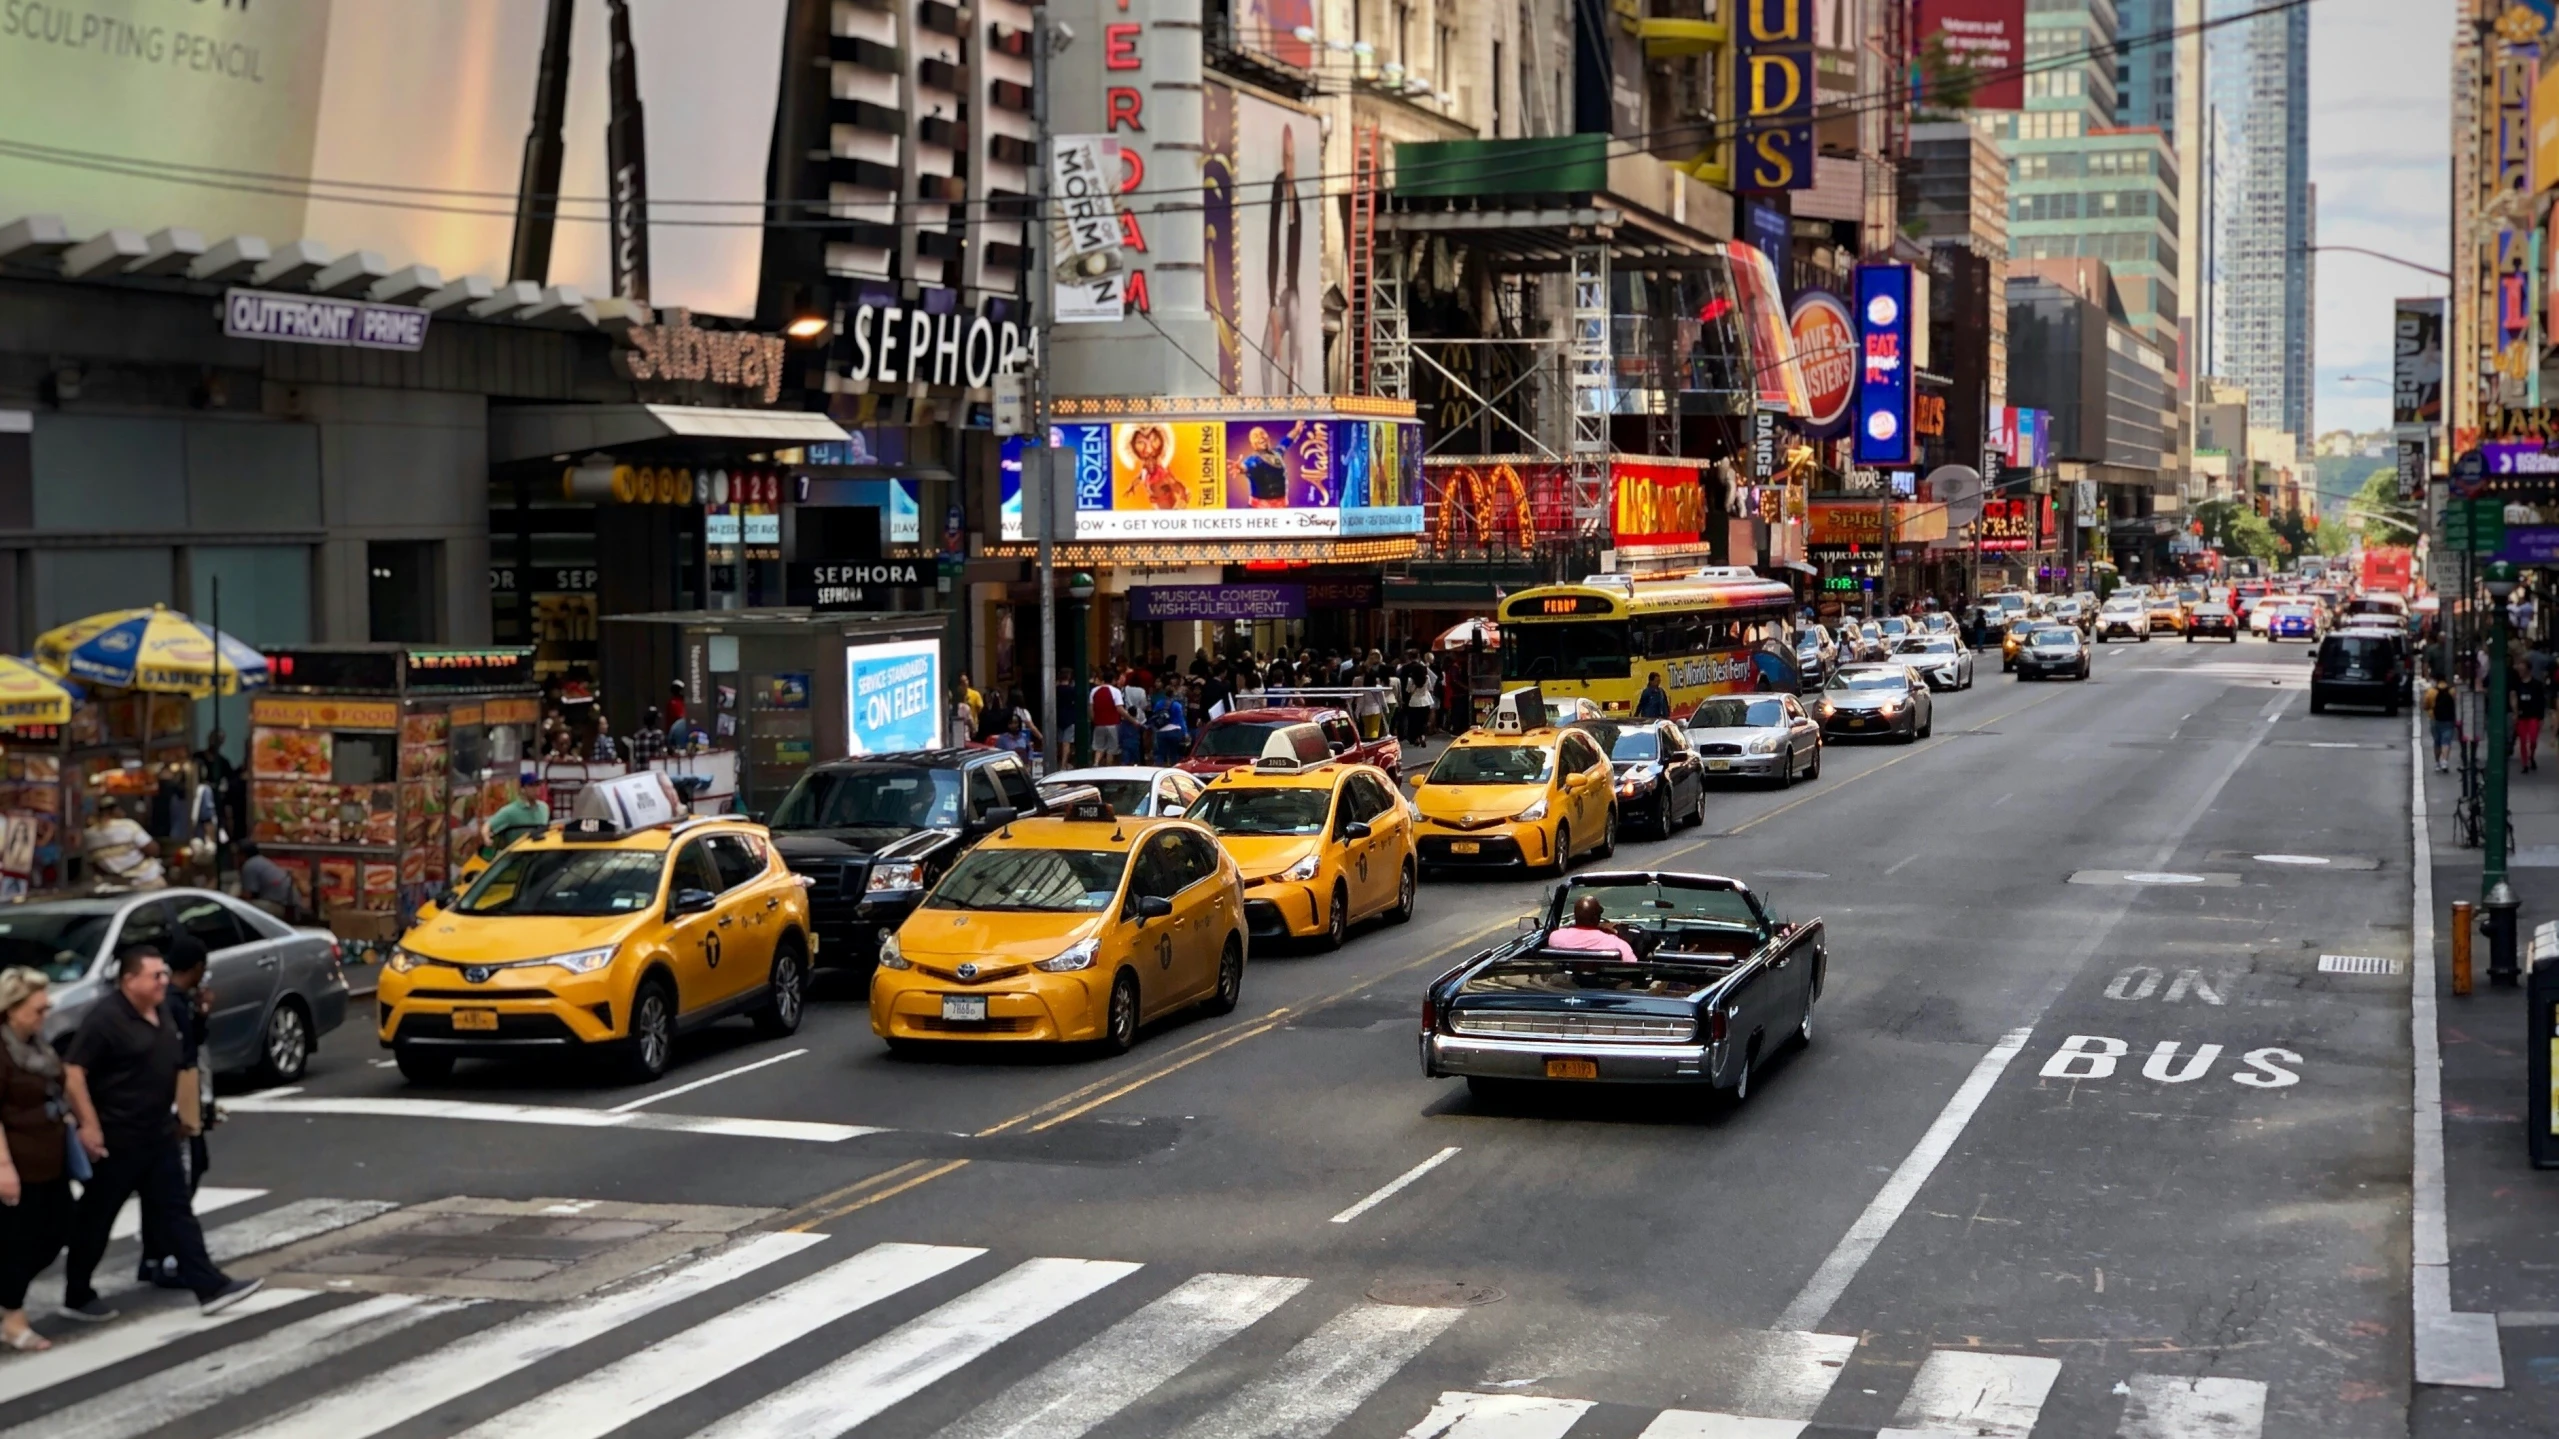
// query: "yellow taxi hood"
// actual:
[[945, 937], [1266, 854], [1476, 801], [501, 938]]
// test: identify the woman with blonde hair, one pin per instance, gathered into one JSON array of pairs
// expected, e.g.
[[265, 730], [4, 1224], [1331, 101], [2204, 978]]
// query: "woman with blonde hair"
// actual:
[[35, 1187]]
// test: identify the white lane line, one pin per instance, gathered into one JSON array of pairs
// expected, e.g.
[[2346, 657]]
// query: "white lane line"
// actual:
[[1897, 866], [1459, 1415], [1698, 1424], [549, 1114], [208, 1199], [646, 1100], [1964, 1391], [69, 1359], [897, 1365], [1860, 1242], [1863, 1237], [603, 1400], [172, 1394], [1319, 1383], [1395, 1185], [2173, 1407], [404, 1391], [2451, 1347], [1129, 1360]]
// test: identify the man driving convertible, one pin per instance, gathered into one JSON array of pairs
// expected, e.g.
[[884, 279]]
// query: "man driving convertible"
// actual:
[[1589, 931]]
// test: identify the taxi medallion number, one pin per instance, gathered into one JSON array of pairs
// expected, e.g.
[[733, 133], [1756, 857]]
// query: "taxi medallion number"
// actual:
[[475, 1019], [1465, 846], [1572, 1069], [964, 1006]]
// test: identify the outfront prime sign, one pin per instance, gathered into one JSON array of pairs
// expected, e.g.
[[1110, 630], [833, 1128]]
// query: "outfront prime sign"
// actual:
[[319, 320]]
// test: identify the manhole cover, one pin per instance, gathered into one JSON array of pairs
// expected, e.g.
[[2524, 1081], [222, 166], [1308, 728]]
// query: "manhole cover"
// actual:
[[469, 1248], [2216, 879], [2357, 964], [1436, 1293]]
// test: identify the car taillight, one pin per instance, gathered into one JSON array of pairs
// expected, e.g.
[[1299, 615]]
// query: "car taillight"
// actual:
[[1715, 1026], [1430, 1011]]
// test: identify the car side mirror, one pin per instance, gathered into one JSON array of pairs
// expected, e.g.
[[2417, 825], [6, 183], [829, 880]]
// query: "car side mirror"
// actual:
[[444, 898], [1528, 924], [1355, 829], [759, 817], [691, 901], [1149, 907], [998, 816], [1174, 811]]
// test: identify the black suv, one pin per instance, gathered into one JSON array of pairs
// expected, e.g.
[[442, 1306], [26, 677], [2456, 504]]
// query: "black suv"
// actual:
[[2359, 669], [871, 834]]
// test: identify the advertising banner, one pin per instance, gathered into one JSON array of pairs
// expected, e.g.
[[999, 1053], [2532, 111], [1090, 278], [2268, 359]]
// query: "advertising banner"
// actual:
[[1084, 177], [891, 695], [1984, 37], [2525, 458], [2007, 526], [1152, 604], [1838, 523], [2416, 363], [1883, 381], [1261, 188], [1826, 348], [1656, 504], [1777, 82], [1779, 380], [1269, 477]]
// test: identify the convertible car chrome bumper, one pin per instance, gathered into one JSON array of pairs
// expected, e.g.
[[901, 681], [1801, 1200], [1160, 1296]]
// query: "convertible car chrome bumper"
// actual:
[[1619, 1062]]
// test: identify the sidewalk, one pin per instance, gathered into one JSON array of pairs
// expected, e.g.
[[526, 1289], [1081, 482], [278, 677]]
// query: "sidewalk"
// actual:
[[2501, 1215]]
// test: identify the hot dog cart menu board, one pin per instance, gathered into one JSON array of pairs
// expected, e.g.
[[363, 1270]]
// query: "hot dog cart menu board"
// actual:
[[324, 778]]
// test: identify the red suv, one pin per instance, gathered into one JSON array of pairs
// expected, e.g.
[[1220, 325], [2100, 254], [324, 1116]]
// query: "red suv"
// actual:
[[1235, 739]]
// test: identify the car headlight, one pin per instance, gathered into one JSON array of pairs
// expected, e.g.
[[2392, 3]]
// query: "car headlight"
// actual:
[[1888, 708], [1301, 871], [1536, 811], [1075, 956], [892, 956], [402, 961], [1637, 778], [887, 878], [1767, 744], [1822, 708], [584, 961]]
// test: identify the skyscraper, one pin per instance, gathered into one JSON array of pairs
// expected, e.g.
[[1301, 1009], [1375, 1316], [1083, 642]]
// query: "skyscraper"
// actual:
[[2260, 235]]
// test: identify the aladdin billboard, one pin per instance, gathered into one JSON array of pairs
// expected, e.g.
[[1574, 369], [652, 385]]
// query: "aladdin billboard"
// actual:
[[1267, 477]]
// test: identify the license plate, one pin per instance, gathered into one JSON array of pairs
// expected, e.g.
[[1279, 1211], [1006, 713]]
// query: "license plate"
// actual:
[[1572, 1069], [1719, 764], [1465, 846], [475, 1019], [964, 1006]]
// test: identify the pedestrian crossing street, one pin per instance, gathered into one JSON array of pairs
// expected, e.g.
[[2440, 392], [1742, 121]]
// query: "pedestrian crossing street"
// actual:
[[728, 1344]]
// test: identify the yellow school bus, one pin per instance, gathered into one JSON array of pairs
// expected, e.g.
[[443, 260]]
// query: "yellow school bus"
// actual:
[[1603, 636]]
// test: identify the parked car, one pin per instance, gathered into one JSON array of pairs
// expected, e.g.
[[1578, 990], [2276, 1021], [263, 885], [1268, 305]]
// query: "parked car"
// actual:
[[2358, 669], [276, 989], [1136, 790], [1764, 736], [1661, 782], [1238, 737]]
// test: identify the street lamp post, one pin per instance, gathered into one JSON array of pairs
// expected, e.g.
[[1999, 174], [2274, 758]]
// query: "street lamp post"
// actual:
[[1080, 589], [2497, 897]]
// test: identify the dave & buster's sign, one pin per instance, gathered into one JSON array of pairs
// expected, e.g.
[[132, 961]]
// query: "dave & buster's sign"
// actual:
[[1827, 350]]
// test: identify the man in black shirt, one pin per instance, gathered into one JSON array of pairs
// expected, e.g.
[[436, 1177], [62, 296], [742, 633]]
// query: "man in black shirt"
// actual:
[[121, 1071]]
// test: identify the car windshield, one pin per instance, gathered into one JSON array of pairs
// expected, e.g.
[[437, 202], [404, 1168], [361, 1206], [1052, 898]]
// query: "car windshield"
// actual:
[[566, 881], [2122, 607], [1928, 645], [2056, 637], [1896, 626], [1054, 881], [1636, 744], [872, 796], [1242, 740], [1866, 680], [61, 942], [1653, 903], [1263, 811], [1125, 796], [1735, 713], [1493, 764]]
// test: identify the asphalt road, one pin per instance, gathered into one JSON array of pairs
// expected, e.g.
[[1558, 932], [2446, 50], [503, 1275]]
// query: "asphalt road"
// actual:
[[2086, 1144]]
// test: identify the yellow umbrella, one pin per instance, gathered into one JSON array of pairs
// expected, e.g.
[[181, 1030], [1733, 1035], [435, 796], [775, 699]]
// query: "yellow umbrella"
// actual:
[[30, 696], [154, 649]]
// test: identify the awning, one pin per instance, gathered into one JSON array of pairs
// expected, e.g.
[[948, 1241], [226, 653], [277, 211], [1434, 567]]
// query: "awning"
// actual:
[[535, 432]]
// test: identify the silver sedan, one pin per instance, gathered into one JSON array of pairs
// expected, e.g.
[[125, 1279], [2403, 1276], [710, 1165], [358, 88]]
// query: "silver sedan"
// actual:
[[1762, 736], [1942, 660]]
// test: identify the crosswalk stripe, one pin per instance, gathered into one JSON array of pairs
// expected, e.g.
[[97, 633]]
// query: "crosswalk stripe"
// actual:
[[1698, 1424], [208, 1199], [1460, 1415], [1784, 1373], [562, 1116], [269, 1229], [1964, 1391], [2166, 1406], [404, 1391], [896, 1365], [1127, 1361], [605, 1399], [71, 1358], [1328, 1375], [166, 1396]]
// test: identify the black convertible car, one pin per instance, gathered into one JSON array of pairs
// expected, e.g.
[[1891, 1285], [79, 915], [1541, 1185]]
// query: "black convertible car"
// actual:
[[1718, 983]]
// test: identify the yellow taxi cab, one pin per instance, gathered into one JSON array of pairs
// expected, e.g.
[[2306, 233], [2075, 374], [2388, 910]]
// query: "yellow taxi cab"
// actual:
[[2167, 612], [1322, 846], [1063, 930], [2014, 639], [1538, 799], [593, 935]]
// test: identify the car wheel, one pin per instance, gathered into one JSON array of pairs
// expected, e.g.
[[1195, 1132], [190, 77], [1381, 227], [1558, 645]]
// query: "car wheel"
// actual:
[[2317, 705], [1929, 727], [1119, 1022], [780, 1016], [651, 1047], [1337, 922], [286, 1049], [1563, 846], [1402, 913], [2101, 639], [1607, 836], [422, 1066], [1661, 813], [1804, 1026], [1786, 769], [1230, 978], [1811, 771], [1697, 815], [1739, 1094], [2190, 639]]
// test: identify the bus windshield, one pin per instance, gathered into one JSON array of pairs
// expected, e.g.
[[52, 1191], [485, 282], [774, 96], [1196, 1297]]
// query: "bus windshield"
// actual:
[[1565, 650]]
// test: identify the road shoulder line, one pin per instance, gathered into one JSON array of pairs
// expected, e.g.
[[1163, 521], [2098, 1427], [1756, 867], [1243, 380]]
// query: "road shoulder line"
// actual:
[[2452, 1348]]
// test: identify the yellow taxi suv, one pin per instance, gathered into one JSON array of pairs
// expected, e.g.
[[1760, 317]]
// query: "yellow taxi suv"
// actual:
[[594, 937], [1063, 931], [1321, 846], [2167, 612], [1535, 800]]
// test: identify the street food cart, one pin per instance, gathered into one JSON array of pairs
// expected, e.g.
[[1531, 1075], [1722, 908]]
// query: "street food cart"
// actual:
[[372, 768], [122, 743]]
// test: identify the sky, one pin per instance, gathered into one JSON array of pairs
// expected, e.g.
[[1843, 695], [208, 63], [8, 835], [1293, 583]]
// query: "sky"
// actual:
[[2380, 120]]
